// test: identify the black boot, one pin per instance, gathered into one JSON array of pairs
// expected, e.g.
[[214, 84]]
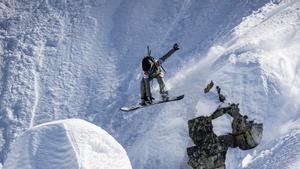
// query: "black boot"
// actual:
[[143, 102], [146, 101]]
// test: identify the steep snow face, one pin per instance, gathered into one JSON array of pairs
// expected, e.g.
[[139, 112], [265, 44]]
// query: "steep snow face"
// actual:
[[262, 57], [281, 153], [67, 144], [256, 65], [63, 59], [53, 65]]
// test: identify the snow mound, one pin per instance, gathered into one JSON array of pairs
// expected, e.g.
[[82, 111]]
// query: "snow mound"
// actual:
[[67, 144]]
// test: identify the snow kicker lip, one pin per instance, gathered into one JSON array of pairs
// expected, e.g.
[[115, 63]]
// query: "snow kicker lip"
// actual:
[[70, 143]]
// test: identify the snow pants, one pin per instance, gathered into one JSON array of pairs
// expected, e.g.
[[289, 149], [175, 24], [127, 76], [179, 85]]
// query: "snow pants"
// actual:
[[146, 90]]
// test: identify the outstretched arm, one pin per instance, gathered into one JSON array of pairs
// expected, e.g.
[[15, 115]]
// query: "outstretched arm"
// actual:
[[170, 52]]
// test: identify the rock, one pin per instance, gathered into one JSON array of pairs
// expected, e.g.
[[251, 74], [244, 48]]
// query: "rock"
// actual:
[[210, 150]]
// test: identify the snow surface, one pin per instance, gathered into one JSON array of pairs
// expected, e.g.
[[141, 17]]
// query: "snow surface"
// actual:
[[81, 59], [67, 144]]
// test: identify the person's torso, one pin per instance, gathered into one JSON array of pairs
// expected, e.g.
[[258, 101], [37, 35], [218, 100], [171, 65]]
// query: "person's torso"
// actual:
[[156, 71]]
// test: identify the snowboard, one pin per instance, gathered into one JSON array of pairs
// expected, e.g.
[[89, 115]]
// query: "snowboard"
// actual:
[[154, 102]]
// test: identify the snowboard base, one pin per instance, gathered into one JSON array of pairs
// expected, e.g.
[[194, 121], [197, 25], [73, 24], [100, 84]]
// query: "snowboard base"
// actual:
[[138, 106]]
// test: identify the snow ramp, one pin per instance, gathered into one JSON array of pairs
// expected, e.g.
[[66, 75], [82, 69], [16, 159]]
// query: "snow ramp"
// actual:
[[67, 144]]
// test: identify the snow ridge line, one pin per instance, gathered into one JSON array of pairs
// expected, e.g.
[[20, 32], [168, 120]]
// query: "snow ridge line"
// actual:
[[36, 83]]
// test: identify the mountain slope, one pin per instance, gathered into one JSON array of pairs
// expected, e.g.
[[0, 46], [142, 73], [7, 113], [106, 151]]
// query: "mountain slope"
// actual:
[[256, 65], [282, 153], [66, 59]]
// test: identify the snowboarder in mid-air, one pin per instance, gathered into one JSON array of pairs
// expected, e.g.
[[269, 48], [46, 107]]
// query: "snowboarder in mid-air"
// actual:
[[152, 69]]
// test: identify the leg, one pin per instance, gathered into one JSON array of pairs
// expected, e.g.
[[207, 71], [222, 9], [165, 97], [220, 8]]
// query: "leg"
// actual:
[[162, 88], [145, 91]]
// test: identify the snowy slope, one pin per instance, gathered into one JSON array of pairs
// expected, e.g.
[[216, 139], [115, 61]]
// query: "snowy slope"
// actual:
[[257, 65], [283, 153], [67, 144], [65, 59], [45, 73]]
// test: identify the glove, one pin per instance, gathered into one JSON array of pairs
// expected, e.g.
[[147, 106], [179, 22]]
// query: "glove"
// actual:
[[176, 46]]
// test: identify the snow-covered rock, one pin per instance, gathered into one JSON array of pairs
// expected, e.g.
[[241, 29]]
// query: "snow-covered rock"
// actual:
[[67, 144]]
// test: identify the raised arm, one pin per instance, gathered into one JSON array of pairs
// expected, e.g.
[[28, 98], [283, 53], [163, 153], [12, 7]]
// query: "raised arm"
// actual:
[[170, 52]]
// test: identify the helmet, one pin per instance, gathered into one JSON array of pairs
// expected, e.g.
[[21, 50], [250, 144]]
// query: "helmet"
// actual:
[[147, 63]]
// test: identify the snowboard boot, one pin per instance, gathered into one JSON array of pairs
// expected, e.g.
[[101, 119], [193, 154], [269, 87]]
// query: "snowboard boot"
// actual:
[[146, 101], [143, 102], [164, 96]]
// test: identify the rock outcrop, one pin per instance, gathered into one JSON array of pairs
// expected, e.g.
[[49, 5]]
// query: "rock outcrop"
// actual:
[[210, 150]]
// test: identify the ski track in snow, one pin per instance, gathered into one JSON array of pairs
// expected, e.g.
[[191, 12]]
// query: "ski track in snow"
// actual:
[[36, 99], [36, 76]]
